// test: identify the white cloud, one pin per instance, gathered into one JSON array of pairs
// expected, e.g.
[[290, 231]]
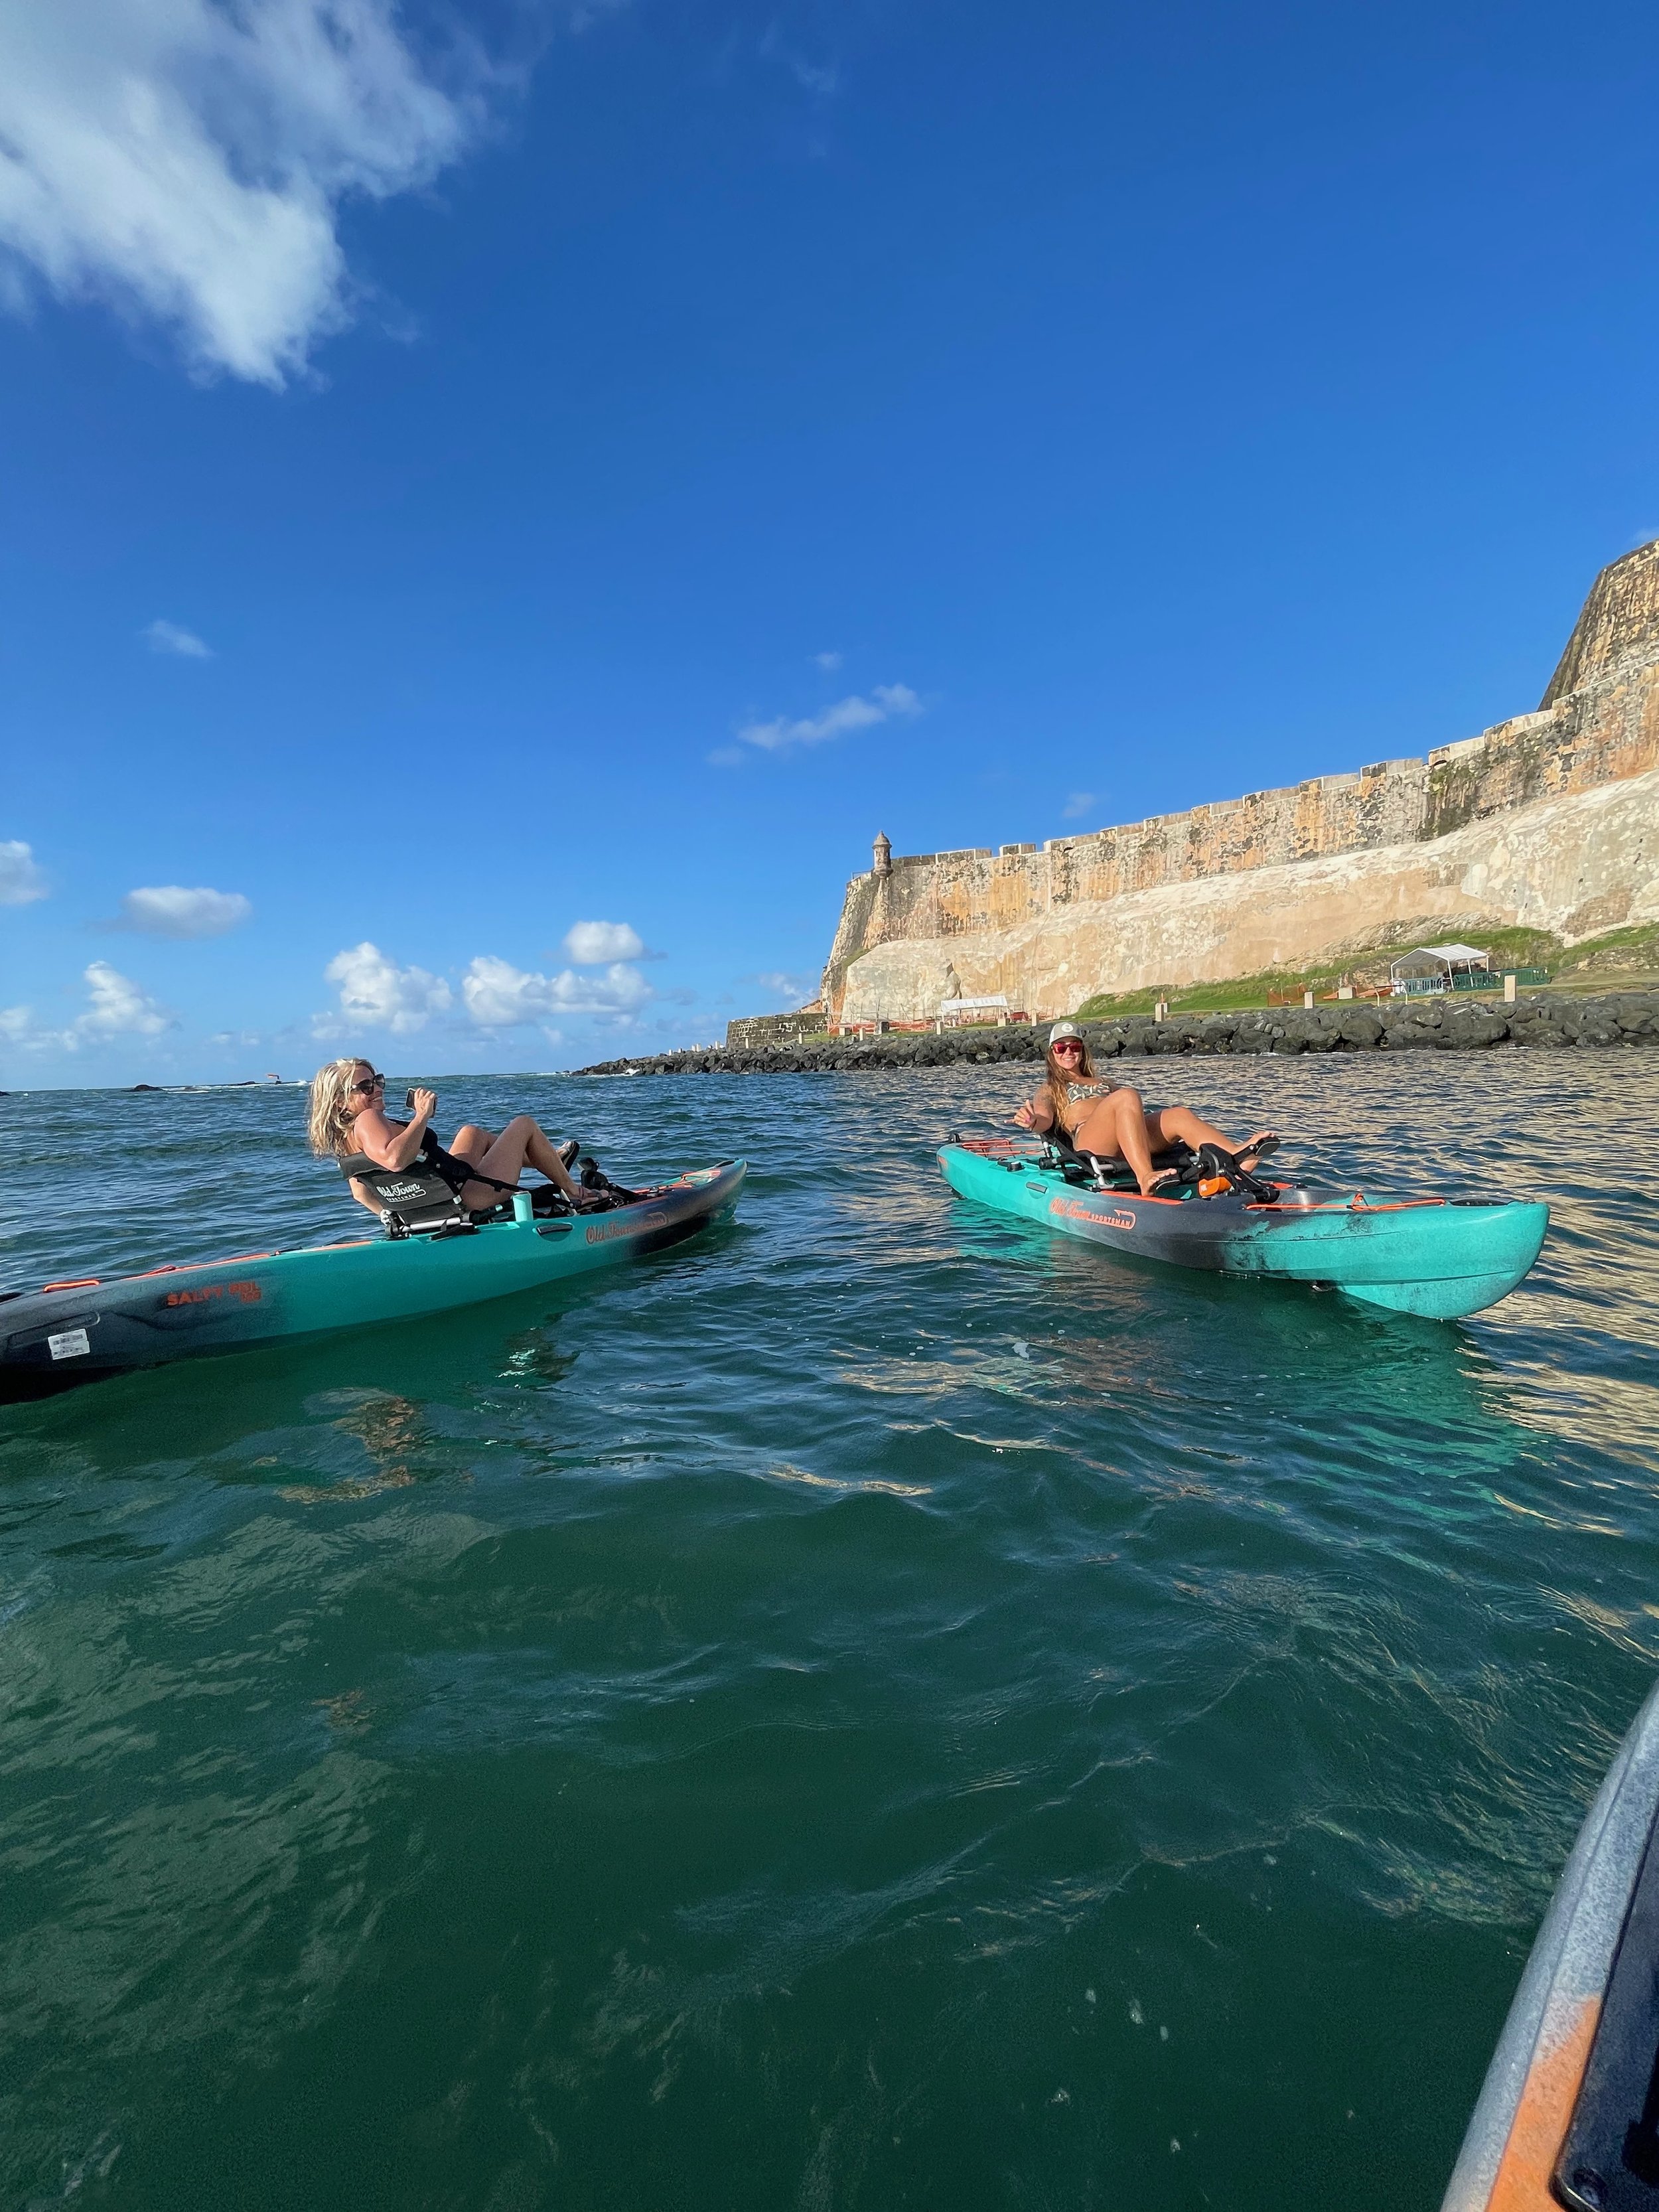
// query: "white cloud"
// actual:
[[828, 662], [184, 160], [170, 910], [797, 989], [499, 996], [21, 879], [591, 943], [1077, 805], [857, 713], [821, 78], [117, 1007], [375, 991], [167, 637]]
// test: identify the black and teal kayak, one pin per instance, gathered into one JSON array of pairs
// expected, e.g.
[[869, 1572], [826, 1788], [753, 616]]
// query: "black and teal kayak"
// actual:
[[1439, 1257], [83, 1330]]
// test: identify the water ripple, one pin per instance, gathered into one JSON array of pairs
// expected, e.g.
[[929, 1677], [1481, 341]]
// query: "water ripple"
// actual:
[[877, 1706]]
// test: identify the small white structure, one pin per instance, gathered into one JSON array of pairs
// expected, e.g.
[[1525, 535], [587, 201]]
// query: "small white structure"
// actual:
[[1439, 968], [975, 1012]]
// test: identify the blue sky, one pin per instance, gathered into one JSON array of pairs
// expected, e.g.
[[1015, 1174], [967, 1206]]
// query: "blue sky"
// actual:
[[470, 478]]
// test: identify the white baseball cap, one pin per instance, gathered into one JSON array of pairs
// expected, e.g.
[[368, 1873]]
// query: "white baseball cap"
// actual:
[[1064, 1030]]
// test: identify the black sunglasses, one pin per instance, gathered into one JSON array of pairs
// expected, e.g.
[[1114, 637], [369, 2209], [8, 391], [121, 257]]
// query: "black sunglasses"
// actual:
[[371, 1082]]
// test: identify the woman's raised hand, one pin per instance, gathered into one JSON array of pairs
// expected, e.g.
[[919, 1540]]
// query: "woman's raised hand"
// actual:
[[1024, 1117], [426, 1105]]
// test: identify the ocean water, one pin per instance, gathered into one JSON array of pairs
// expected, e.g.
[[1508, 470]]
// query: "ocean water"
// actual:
[[877, 1707]]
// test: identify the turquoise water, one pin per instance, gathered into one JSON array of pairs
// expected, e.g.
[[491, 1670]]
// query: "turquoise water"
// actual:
[[877, 1707]]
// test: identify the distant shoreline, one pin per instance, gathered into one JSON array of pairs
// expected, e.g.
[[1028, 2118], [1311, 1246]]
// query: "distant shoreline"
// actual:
[[1450, 1023]]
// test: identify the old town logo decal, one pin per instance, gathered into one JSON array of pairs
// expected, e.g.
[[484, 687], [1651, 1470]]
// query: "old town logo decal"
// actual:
[[1073, 1209], [601, 1232]]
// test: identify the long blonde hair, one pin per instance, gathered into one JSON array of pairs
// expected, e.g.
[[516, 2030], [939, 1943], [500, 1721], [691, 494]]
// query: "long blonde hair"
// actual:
[[333, 1111]]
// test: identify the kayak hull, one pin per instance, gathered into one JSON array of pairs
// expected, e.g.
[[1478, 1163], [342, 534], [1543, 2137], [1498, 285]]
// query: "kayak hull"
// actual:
[[82, 1332], [1437, 1258], [1563, 2117]]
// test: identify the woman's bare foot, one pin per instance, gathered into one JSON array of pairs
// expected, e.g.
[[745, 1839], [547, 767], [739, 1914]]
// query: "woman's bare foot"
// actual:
[[1158, 1181], [1264, 1141]]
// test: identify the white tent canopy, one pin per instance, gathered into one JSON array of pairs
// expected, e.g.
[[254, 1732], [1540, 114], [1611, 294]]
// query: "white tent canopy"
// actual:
[[1448, 956]]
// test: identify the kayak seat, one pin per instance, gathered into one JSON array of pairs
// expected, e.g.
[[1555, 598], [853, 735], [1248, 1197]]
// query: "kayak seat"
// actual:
[[417, 1202], [1089, 1168]]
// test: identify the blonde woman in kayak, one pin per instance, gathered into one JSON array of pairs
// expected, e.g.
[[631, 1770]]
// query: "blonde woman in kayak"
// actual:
[[1113, 1120], [347, 1114]]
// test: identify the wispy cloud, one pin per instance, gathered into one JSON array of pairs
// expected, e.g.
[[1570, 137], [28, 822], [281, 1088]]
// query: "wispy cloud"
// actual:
[[121, 1006], [822, 79], [1079, 803], [592, 943], [167, 637], [117, 1006], [22, 880], [373, 990], [780, 983], [499, 996], [828, 662], [170, 910], [885, 701], [184, 162]]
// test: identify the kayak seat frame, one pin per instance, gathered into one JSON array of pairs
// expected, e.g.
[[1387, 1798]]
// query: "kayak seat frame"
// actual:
[[417, 1202], [1090, 1169]]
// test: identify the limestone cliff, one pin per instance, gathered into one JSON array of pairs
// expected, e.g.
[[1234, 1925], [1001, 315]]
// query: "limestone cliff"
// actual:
[[1550, 818]]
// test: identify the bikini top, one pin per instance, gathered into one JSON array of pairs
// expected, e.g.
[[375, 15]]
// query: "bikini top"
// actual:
[[1069, 1111]]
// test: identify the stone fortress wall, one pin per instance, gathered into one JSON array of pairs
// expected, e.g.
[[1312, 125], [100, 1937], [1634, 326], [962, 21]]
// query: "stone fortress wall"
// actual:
[[1549, 819]]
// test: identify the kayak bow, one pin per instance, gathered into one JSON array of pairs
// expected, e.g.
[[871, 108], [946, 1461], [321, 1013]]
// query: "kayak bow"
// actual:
[[82, 1331], [1441, 1258]]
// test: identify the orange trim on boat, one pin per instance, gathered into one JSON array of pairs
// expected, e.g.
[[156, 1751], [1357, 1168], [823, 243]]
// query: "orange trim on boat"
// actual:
[[80, 1283], [1521, 2183]]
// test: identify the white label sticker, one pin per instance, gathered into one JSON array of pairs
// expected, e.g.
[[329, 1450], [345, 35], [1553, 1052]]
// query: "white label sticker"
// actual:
[[69, 1345]]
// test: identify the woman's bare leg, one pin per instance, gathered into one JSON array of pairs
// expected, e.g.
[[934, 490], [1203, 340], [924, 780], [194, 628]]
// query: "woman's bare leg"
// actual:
[[505, 1158], [1179, 1124], [1121, 1127]]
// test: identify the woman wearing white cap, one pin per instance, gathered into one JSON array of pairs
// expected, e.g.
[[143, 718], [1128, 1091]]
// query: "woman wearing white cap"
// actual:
[[1112, 1120]]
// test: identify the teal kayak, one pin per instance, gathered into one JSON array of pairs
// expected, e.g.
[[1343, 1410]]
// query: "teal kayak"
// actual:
[[1439, 1257], [81, 1330]]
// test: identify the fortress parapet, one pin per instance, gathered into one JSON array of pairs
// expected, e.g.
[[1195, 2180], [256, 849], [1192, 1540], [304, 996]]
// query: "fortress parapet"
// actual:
[[1598, 725]]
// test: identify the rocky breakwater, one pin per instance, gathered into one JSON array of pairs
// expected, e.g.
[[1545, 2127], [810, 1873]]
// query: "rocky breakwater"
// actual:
[[1545, 1022]]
